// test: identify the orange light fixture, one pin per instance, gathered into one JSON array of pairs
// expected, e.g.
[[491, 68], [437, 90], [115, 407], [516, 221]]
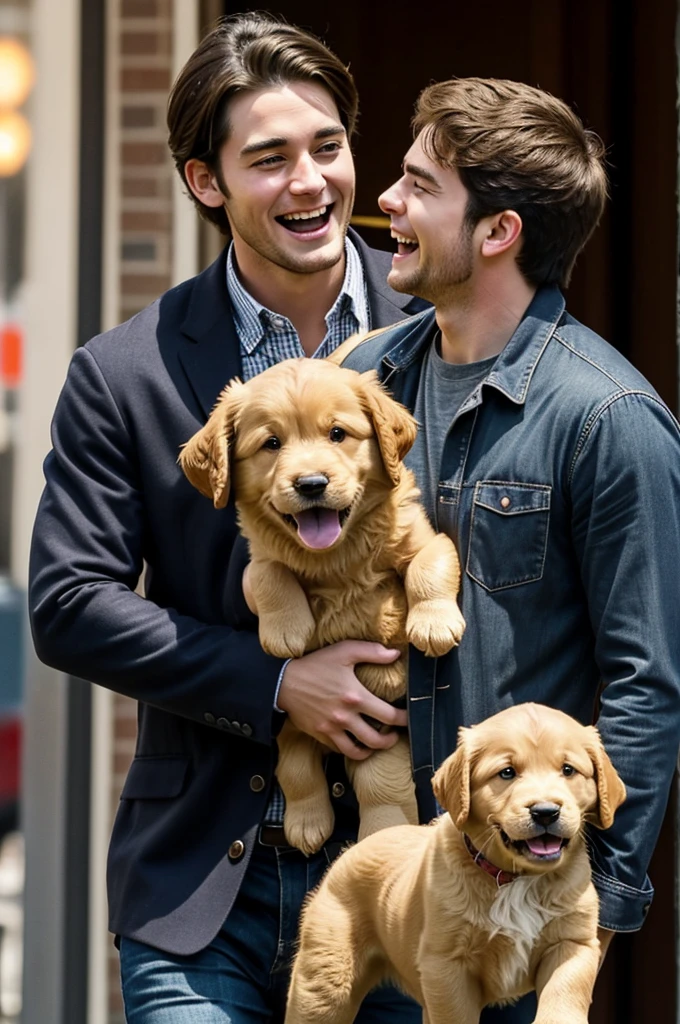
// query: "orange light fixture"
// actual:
[[15, 142], [17, 72]]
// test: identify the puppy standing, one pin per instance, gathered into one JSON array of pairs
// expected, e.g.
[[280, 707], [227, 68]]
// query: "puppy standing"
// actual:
[[340, 549], [491, 901]]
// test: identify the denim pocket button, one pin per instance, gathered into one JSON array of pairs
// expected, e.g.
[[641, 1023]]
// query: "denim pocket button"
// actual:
[[508, 533]]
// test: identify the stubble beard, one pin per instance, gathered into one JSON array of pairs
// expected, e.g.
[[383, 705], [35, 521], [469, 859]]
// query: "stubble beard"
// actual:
[[434, 283]]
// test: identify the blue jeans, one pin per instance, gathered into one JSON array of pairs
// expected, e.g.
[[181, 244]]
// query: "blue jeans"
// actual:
[[242, 976]]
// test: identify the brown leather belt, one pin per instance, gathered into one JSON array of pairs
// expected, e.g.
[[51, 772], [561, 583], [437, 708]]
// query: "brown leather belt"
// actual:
[[273, 835]]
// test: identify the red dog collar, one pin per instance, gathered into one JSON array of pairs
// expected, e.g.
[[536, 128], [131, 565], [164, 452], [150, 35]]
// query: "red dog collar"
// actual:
[[502, 877]]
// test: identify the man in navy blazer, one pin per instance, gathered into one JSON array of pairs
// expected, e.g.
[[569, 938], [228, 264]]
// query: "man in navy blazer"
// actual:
[[260, 121]]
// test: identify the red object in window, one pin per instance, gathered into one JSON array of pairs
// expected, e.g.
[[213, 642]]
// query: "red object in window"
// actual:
[[10, 758], [11, 363]]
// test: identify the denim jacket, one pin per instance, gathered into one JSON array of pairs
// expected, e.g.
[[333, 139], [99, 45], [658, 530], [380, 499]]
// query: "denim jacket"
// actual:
[[562, 494]]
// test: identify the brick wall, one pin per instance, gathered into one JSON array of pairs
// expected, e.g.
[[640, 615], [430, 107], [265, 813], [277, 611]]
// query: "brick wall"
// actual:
[[145, 62]]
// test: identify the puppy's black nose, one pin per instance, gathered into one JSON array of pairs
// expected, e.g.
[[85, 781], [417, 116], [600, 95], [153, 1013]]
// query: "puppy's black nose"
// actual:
[[545, 814], [311, 486]]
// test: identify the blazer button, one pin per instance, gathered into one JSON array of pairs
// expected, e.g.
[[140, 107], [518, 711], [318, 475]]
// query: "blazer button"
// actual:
[[210, 719], [338, 789], [246, 730], [257, 783], [236, 850], [223, 723]]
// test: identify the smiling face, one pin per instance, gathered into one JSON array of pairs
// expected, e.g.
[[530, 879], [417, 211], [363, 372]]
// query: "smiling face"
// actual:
[[285, 178], [435, 244], [305, 451], [522, 784]]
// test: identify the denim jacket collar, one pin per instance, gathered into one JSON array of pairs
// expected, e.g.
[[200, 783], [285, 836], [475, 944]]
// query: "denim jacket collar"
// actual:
[[512, 372]]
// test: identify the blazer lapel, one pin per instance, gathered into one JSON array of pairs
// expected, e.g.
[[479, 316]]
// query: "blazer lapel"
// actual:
[[210, 353]]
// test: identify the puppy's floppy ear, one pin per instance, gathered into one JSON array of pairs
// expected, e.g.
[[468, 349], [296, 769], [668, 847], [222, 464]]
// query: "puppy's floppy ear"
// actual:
[[394, 425], [205, 457], [451, 781], [611, 791]]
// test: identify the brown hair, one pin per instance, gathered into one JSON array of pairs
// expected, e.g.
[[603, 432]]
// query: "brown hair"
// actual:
[[519, 148], [244, 53]]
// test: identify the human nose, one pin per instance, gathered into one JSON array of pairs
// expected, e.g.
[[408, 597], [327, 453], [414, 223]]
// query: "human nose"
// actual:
[[307, 176], [390, 201]]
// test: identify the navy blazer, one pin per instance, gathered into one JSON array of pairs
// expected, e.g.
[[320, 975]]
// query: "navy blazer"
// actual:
[[115, 504]]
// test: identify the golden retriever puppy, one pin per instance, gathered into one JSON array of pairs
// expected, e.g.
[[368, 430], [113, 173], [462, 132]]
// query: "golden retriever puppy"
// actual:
[[340, 549], [490, 901]]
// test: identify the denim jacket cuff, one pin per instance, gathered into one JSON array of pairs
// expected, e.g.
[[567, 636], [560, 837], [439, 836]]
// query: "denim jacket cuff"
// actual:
[[622, 908]]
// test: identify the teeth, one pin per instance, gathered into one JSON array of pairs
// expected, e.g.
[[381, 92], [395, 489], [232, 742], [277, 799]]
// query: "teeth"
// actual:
[[402, 239], [306, 215]]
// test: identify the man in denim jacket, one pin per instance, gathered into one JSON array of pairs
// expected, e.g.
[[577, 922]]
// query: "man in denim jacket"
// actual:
[[551, 462]]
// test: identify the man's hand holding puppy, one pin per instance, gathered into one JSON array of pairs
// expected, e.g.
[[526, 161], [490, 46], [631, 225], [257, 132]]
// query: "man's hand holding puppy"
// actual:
[[323, 698]]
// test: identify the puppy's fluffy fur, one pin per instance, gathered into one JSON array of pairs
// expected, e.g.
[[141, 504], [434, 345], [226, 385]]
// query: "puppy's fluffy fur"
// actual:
[[411, 903], [340, 549]]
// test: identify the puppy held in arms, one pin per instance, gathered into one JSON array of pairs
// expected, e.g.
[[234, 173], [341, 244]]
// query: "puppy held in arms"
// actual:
[[340, 549], [492, 900]]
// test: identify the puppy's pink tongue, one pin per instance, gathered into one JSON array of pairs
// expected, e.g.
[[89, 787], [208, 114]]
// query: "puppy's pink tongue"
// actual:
[[318, 527], [543, 846]]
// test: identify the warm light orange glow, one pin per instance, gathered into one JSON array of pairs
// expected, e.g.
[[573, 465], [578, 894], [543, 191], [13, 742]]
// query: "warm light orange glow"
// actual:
[[15, 143], [17, 72]]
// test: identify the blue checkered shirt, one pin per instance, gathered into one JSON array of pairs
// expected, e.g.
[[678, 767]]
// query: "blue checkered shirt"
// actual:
[[267, 338]]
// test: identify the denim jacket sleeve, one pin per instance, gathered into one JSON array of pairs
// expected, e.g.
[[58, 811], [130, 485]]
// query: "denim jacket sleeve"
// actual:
[[625, 490]]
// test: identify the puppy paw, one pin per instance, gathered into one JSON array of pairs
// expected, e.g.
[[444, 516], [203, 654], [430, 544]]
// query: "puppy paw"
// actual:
[[435, 626], [308, 824], [285, 637]]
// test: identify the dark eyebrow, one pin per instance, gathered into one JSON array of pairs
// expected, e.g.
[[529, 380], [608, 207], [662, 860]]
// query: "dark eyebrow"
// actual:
[[420, 172], [279, 140]]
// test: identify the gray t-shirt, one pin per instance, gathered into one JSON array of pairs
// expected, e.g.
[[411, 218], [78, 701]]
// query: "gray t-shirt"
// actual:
[[442, 389]]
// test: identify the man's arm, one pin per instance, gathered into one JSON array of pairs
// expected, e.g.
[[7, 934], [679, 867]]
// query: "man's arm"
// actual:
[[86, 558], [625, 489]]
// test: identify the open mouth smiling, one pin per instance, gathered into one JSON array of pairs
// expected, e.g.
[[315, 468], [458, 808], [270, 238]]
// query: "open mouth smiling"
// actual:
[[318, 527], [541, 848], [306, 220], [405, 246]]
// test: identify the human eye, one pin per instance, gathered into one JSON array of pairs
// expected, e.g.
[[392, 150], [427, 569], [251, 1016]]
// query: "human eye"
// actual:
[[329, 148], [274, 160]]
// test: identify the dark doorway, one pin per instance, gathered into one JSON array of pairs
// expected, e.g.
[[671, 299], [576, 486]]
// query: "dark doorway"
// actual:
[[614, 61]]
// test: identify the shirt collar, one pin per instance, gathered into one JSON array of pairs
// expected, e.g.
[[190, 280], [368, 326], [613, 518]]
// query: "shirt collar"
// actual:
[[252, 319], [513, 370]]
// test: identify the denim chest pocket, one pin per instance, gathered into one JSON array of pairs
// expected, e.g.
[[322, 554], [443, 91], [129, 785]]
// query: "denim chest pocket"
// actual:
[[508, 533]]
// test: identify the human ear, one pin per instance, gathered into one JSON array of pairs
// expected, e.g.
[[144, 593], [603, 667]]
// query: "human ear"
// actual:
[[501, 232], [203, 183]]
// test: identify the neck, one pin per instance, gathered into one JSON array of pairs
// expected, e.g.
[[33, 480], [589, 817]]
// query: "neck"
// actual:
[[478, 323], [304, 299]]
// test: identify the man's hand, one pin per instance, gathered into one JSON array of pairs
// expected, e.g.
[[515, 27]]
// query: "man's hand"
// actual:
[[323, 697]]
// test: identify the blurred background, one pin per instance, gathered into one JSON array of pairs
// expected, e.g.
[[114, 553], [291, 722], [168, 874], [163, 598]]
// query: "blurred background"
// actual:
[[93, 226]]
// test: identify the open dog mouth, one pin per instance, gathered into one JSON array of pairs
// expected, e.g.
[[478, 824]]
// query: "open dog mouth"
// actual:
[[318, 527], [306, 220], [541, 848]]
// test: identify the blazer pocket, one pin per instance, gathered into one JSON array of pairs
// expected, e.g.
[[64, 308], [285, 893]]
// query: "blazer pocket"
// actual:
[[508, 533], [155, 778]]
